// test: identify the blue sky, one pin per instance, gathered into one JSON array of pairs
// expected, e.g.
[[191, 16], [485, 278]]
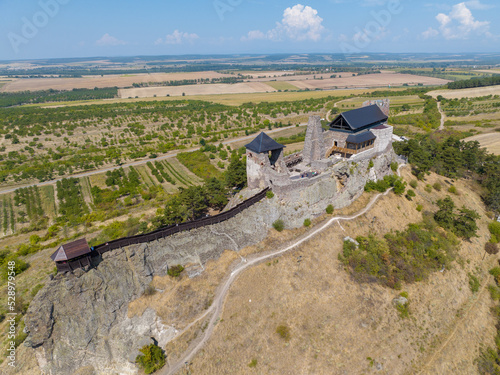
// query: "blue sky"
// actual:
[[32, 29]]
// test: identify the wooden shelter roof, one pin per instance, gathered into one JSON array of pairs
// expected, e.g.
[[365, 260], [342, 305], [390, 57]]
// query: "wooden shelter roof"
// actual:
[[71, 250]]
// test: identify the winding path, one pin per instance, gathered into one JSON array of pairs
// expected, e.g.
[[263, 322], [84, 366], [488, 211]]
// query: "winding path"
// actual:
[[443, 116], [218, 302]]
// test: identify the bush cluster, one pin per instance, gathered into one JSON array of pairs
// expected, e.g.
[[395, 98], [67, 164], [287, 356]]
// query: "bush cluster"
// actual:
[[386, 183], [407, 256], [151, 359]]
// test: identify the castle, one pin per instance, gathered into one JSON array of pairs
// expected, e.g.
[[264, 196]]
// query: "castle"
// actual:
[[354, 136]]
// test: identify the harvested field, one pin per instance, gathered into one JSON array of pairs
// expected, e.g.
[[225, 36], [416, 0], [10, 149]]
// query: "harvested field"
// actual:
[[229, 99], [369, 80], [89, 82], [278, 85], [214, 89], [491, 141], [466, 93]]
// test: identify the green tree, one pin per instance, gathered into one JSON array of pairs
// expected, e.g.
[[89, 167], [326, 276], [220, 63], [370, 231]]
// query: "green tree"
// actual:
[[216, 193], [236, 174], [445, 216], [465, 223], [175, 212]]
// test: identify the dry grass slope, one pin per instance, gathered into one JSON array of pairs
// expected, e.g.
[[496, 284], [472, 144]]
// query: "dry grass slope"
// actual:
[[335, 323]]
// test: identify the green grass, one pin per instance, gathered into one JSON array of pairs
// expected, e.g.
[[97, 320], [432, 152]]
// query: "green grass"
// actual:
[[199, 163], [146, 178], [47, 195], [85, 184], [175, 174], [282, 85]]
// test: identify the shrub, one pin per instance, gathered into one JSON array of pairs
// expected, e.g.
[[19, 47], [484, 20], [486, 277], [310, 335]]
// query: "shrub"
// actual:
[[494, 228], [269, 194], [495, 272], [279, 225], [150, 290], [403, 309], [329, 209], [474, 283], [253, 363], [384, 184], [437, 186], [394, 167], [151, 359], [453, 190], [307, 222], [428, 188], [414, 184], [494, 292], [284, 332], [420, 207], [410, 194], [370, 164], [491, 248], [408, 256], [175, 271]]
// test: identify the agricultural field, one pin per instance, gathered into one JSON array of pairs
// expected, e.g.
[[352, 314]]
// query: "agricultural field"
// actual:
[[112, 80], [369, 80], [191, 90], [280, 85], [82, 138], [452, 74], [399, 104], [300, 82], [471, 106], [490, 141], [466, 93]]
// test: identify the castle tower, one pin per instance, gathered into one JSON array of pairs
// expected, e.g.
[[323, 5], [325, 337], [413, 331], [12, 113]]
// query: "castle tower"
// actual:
[[314, 147], [264, 159]]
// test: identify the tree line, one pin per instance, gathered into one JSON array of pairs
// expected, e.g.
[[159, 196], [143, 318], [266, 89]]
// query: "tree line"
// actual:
[[455, 159], [475, 82], [9, 99]]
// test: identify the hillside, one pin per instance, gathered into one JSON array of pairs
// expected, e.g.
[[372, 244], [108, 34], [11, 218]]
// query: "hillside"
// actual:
[[334, 321], [338, 324]]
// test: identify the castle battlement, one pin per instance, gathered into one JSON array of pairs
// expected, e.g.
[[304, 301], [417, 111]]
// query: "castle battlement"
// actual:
[[352, 137]]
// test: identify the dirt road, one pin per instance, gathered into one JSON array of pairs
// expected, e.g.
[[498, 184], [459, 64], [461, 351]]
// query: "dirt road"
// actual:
[[443, 116]]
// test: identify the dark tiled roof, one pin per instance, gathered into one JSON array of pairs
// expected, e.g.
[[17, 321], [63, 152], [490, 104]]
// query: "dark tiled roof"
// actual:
[[263, 143], [363, 117], [360, 137], [71, 250]]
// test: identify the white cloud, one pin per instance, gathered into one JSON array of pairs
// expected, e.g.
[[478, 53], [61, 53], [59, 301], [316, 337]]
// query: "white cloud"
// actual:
[[459, 23], [476, 4], [430, 33], [178, 37], [254, 35], [108, 40], [302, 23], [299, 23]]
